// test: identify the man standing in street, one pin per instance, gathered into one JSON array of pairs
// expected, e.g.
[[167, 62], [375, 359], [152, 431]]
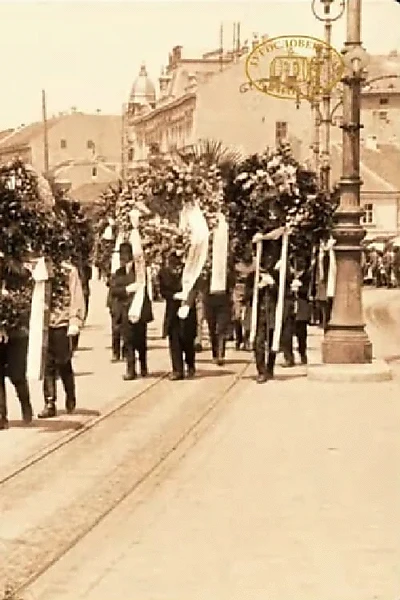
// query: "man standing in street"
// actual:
[[67, 311], [218, 312], [267, 289], [124, 286], [180, 320]]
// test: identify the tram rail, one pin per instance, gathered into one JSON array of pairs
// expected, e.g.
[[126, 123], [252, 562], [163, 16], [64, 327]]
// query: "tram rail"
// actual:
[[47, 545]]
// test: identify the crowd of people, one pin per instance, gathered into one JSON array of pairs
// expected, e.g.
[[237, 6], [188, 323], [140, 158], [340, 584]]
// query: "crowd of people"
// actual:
[[245, 248], [381, 267], [227, 313]]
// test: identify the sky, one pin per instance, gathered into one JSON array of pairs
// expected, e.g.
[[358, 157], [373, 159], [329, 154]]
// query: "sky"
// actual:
[[87, 54]]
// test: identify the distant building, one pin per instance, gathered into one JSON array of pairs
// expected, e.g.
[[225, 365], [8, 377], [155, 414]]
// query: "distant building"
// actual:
[[200, 98], [380, 103], [380, 191], [83, 148]]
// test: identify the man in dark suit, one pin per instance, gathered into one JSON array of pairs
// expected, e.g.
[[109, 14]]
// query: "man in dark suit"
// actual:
[[123, 287], [113, 306], [266, 307], [300, 286], [14, 344], [218, 313], [181, 329]]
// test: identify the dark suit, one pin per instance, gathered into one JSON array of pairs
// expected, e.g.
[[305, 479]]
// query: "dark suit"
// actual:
[[302, 315], [13, 353], [134, 334], [266, 307], [181, 332], [116, 327], [267, 301], [218, 313]]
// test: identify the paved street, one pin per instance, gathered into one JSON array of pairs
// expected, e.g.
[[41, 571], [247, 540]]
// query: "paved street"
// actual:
[[291, 491], [99, 387]]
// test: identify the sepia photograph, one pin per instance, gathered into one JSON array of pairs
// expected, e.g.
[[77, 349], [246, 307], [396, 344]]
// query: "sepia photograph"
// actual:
[[200, 300]]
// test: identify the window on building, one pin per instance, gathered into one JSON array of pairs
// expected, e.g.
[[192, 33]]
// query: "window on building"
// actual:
[[383, 101], [383, 115], [368, 217], [94, 171], [63, 144], [281, 131], [90, 145], [130, 154]]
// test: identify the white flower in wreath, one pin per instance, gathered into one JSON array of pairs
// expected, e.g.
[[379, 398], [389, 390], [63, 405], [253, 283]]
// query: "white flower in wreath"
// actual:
[[242, 176], [274, 162], [247, 185]]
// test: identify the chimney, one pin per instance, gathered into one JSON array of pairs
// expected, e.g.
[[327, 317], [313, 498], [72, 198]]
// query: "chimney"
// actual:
[[255, 41], [176, 54], [371, 142]]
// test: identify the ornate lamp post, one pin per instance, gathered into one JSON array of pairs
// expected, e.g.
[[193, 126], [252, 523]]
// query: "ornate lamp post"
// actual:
[[324, 120], [346, 341]]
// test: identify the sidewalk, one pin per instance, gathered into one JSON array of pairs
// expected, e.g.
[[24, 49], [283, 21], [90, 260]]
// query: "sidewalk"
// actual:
[[292, 494]]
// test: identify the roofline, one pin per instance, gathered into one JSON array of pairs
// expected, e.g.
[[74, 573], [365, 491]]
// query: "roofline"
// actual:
[[16, 147], [363, 167], [50, 124], [158, 110]]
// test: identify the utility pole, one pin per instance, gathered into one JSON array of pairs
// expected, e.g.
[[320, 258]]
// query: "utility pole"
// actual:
[[45, 134], [123, 145], [221, 46]]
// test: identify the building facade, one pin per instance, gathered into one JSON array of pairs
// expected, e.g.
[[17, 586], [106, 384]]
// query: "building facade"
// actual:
[[208, 98], [380, 190], [82, 148]]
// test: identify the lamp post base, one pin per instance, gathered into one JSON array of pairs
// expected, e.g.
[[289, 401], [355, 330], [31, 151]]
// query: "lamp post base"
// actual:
[[346, 346], [375, 372]]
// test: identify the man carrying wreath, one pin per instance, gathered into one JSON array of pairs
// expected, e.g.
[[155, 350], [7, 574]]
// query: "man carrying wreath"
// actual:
[[180, 321], [125, 288]]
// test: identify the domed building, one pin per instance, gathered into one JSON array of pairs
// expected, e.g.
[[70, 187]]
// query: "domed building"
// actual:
[[143, 93]]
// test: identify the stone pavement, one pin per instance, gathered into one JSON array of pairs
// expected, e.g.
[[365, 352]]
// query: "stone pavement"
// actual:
[[99, 386], [293, 493]]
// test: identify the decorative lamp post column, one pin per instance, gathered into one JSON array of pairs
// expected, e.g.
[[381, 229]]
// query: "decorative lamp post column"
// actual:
[[325, 118], [346, 341]]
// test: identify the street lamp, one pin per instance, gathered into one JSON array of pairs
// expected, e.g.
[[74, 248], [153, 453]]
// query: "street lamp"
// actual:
[[346, 341], [324, 119]]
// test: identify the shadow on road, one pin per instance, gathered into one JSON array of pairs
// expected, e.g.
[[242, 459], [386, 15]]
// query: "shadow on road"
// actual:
[[48, 425], [202, 374]]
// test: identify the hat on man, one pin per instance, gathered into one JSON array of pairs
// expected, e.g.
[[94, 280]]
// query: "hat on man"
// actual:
[[125, 247]]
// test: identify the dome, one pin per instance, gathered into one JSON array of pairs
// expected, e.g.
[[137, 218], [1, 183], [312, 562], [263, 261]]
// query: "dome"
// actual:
[[143, 90]]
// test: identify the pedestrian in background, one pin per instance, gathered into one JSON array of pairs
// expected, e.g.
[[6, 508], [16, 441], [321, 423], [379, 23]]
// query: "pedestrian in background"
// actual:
[[300, 287]]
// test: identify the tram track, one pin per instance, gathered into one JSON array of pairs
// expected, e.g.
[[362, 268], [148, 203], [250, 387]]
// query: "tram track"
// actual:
[[164, 422], [70, 436]]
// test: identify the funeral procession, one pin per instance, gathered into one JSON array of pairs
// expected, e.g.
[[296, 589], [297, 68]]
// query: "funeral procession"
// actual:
[[200, 300]]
